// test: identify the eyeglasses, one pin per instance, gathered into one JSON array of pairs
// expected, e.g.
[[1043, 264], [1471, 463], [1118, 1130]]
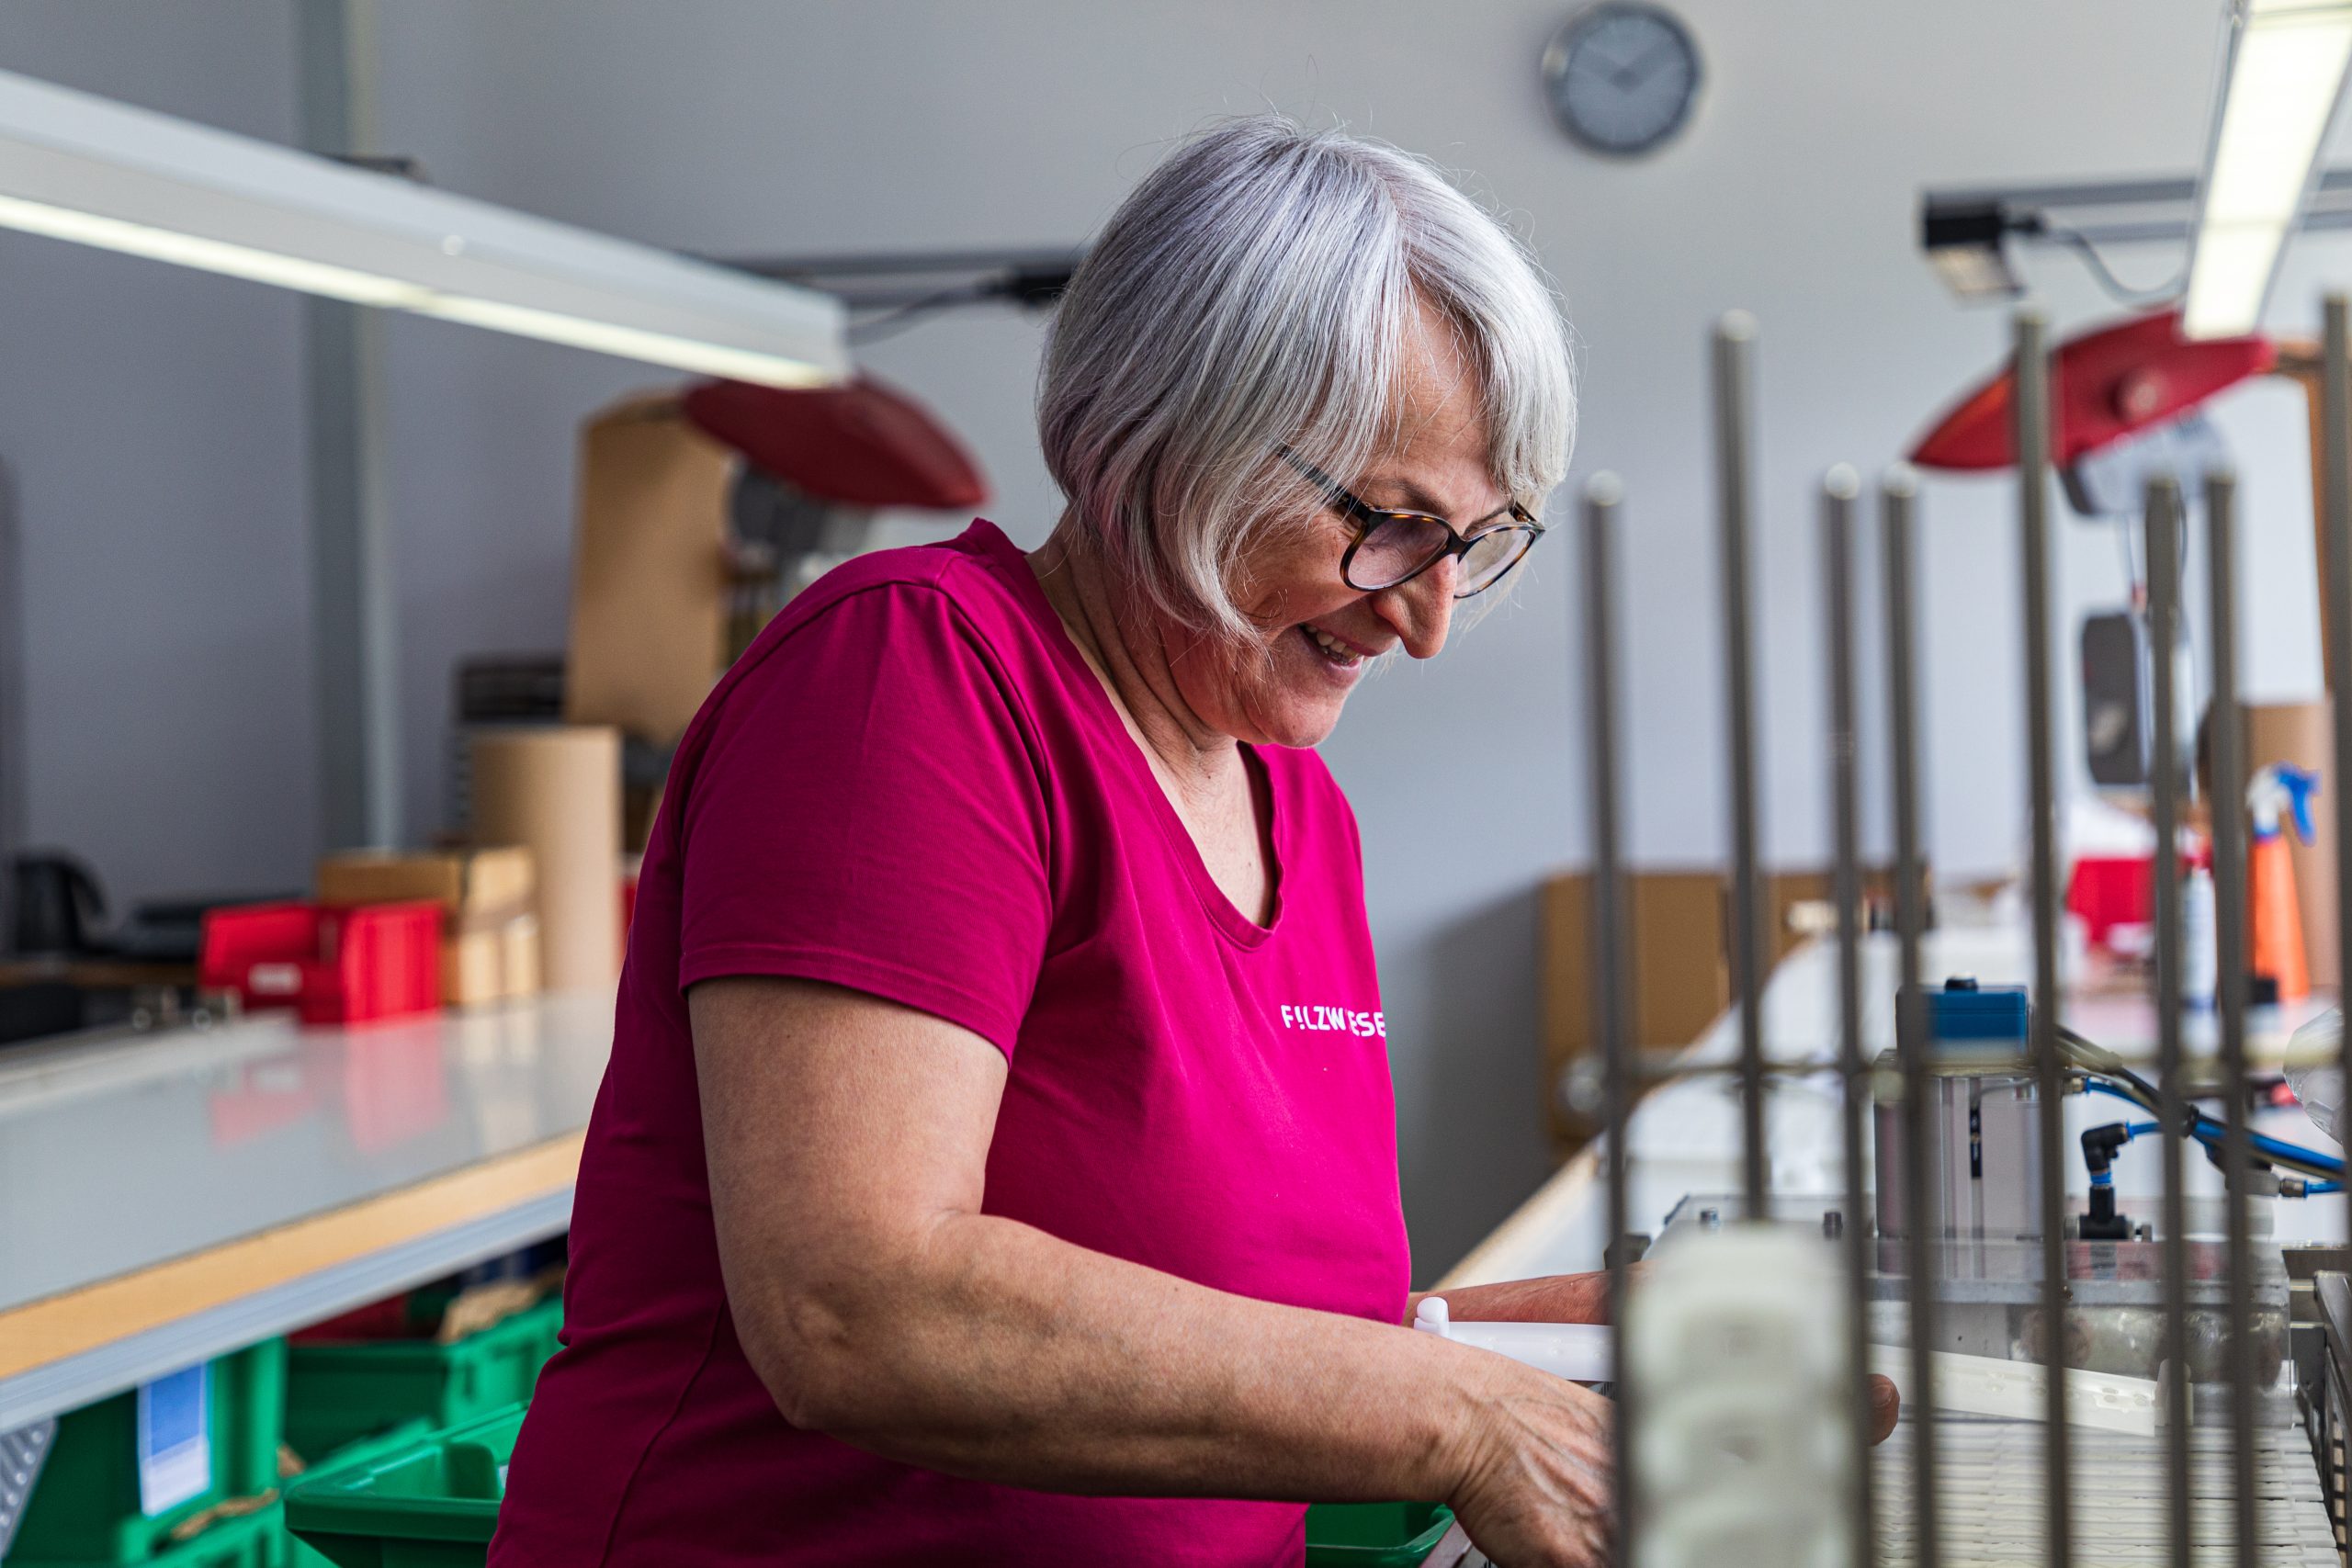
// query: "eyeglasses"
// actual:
[[1393, 548]]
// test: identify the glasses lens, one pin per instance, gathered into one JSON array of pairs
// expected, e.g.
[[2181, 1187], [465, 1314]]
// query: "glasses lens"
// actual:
[[1491, 555], [1393, 548]]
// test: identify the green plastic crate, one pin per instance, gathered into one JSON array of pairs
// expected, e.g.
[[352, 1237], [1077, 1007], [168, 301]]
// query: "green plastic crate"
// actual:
[[337, 1394], [432, 1505], [368, 1450], [85, 1508], [1374, 1535], [249, 1540]]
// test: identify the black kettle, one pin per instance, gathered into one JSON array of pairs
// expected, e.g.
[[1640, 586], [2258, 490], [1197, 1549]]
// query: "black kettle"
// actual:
[[54, 903]]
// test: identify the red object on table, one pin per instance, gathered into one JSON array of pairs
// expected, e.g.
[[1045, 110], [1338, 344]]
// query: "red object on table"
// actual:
[[2108, 383], [861, 443], [2108, 891], [344, 965], [387, 1319]]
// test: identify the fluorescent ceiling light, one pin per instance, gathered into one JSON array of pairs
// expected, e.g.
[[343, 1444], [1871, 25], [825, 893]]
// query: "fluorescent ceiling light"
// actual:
[[86, 169], [2286, 72]]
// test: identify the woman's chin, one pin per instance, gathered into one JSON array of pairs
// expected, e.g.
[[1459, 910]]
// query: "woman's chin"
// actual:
[[1300, 719]]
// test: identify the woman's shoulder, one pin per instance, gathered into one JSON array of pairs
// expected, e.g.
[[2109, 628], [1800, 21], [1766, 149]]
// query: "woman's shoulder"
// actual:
[[934, 641], [979, 578]]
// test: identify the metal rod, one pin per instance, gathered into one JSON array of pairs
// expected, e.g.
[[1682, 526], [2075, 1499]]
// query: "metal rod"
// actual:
[[354, 619], [1898, 491], [2162, 522], [2228, 810], [2031, 412], [1612, 989], [1838, 489], [1734, 343], [2335, 495]]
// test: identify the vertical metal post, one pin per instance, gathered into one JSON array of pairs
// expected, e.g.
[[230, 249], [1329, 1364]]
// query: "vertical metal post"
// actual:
[[13, 776], [2162, 521], [2229, 985], [352, 621], [2335, 496], [2031, 408], [1898, 492], [1734, 343], [1838, 489], [1611, 1012]]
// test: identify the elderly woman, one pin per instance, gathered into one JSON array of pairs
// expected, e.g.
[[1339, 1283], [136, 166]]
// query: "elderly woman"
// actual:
[[997, 1162]]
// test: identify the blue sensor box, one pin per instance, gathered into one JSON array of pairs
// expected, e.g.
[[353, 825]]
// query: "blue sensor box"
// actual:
[[1964, 1011]]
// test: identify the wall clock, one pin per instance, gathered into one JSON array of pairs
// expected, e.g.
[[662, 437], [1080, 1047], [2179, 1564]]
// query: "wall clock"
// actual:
[[1621, 76]]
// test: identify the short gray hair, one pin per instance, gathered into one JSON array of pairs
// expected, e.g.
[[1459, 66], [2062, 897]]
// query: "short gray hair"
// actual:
[[1258, 291]]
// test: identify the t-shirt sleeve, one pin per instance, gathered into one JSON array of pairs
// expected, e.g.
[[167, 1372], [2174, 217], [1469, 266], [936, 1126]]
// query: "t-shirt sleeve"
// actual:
[[869, 812]]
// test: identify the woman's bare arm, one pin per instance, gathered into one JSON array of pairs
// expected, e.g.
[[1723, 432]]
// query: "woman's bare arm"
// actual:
[[847, 1139]]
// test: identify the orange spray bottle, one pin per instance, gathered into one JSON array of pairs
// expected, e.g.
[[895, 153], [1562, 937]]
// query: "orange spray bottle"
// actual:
[[2274, 920]]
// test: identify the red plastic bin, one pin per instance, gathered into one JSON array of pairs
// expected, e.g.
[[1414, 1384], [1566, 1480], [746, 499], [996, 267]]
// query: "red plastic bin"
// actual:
[[344, 965]]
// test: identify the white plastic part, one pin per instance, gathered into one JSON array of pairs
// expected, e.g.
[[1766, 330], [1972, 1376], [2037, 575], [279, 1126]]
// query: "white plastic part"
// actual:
[[1581, 1352], [1981, 1386], [1737, 1350], [2313, 1073]]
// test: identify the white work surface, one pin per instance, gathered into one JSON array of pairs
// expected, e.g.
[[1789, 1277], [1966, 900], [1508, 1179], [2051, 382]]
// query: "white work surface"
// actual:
[[168, 1197], [1684, 1137]]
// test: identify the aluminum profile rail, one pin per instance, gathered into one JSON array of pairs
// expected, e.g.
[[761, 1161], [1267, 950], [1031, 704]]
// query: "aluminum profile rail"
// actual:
[[1735, 345], [2163, 523], [2228, 744], [2031, 410], [1898, 495], [1608, 1000], [2335, 497], [1839, 489]]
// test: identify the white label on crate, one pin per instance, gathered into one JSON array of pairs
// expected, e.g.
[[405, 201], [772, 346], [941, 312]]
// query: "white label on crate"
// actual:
[[174, 1441], [275, 979]]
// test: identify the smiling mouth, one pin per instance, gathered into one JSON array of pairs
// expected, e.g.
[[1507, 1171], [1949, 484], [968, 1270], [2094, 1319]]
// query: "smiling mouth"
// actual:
[[1330, 648]]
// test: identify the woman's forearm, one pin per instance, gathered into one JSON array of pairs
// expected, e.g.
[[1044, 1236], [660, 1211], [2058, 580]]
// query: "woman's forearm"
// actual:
[[990, 1349], [1553, 1298]]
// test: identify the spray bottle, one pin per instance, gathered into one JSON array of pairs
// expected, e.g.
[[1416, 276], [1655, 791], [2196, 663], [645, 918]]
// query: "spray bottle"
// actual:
[[2274, 919], [2200, 950]]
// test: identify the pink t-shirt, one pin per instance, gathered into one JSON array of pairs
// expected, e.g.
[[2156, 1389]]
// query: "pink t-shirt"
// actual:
[[913, 785]]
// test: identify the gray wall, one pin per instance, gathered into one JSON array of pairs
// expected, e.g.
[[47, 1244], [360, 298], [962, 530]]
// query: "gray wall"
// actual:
[[153, 426]]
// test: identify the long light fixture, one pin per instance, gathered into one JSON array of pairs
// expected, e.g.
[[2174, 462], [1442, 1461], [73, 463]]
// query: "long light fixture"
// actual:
[[2286, 74], [73, 166]]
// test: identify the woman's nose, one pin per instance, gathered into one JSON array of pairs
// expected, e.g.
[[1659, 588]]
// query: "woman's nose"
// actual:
[[1421, 611]]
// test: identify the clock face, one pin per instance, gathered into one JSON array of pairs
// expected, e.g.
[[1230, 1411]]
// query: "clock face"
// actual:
[[1621, 76]]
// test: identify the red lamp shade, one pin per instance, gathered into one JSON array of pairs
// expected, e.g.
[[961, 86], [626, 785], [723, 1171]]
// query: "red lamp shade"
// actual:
[[2109, 383], [861, 443]]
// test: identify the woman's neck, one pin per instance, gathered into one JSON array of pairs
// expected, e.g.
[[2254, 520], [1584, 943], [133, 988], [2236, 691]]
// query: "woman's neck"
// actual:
[[1122, 639]]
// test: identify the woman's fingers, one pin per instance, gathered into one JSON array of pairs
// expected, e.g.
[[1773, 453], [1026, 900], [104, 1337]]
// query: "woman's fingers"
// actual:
[[1886, 1405]]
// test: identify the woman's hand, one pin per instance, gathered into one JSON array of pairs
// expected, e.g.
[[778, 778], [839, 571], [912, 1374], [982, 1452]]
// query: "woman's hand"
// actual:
[[1536, 1487]]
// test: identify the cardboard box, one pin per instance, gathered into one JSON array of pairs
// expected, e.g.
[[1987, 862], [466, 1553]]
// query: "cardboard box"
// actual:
[[1679, 928], [651, 573], [490, 937]]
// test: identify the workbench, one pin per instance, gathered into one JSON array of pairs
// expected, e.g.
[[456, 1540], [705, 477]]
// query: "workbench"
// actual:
[[173, 1196]]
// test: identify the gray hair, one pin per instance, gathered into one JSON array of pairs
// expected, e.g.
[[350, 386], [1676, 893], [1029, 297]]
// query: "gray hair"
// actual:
[[1258, 290]]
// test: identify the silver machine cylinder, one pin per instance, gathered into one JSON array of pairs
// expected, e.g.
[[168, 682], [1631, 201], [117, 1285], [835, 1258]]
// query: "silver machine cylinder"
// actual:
[[1984, 1158]]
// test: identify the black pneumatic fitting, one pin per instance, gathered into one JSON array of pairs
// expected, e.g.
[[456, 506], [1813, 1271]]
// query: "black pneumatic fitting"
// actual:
[[2101, 1222]]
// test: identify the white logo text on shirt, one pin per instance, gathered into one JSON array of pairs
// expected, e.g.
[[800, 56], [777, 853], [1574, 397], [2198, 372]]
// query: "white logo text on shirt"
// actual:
[[1336, 1020]]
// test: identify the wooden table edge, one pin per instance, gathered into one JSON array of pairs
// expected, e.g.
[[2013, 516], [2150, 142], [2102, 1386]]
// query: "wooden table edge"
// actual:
[[76, 1321]]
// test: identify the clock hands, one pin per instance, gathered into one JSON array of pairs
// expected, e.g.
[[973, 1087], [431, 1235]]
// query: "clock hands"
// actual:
[[1633, 76]]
